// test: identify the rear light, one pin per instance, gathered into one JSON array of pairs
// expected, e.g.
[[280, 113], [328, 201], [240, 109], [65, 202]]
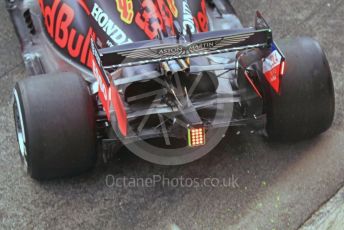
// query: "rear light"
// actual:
[[196, 136]]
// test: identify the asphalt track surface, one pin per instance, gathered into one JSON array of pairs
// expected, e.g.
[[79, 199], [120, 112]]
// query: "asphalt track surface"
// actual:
[[279, 185]]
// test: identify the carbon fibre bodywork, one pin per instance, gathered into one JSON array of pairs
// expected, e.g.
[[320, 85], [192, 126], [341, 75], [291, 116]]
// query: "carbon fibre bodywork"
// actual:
[[166, 78], [56, 36], [49, 48]]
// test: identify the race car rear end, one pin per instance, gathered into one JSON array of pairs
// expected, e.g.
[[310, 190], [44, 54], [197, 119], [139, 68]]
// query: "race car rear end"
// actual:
[[169, 99]]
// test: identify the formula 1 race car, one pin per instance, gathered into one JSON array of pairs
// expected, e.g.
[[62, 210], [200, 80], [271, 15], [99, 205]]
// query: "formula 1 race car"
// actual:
[[165, 78]]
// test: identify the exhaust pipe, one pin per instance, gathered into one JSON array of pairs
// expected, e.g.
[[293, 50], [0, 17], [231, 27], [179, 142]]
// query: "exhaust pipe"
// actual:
[[166, 69], [171, 67], [185, 67]]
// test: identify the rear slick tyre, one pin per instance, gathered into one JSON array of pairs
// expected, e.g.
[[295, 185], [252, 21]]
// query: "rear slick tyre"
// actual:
[[55, 124], [306, 105]]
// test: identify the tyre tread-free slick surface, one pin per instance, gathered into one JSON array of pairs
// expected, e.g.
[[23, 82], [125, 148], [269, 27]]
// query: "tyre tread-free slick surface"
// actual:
[[306, 105], [59, 122]]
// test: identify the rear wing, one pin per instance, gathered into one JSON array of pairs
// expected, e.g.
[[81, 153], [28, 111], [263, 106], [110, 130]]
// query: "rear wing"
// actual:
[[173, 48], [193, 45]]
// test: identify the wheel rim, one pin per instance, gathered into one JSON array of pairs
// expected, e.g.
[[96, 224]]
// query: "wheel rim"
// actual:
[[20, 130]]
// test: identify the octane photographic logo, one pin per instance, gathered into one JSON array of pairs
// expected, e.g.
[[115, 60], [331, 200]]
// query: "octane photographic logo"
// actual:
[[179, 142], [186, 125]]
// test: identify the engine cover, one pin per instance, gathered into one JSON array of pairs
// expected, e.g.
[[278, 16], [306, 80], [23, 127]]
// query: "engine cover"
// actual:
[[71, 24]]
